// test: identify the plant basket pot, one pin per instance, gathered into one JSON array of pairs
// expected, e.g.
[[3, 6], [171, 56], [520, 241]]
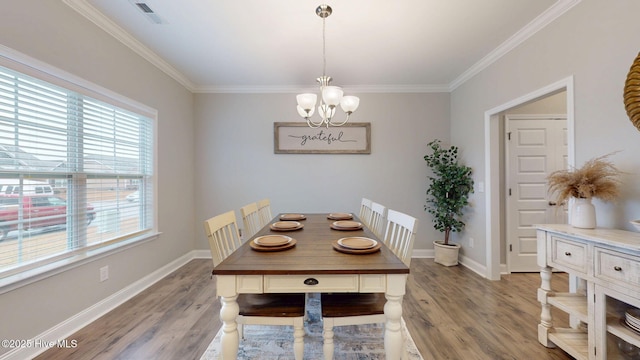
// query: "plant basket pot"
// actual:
[[446, 255]]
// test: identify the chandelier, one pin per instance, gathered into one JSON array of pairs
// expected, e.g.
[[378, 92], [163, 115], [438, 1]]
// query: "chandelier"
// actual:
[[331, 95]]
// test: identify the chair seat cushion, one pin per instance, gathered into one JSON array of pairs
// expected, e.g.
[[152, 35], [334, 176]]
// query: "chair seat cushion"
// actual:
[[352, 304], [274, 305]]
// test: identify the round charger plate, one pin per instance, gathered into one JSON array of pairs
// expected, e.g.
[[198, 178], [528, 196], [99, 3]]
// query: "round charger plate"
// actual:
[[343, 249], [346, 225], [357, 243], [292, 217], [340, 216], [285, 225], [272, 240], [286, 246]]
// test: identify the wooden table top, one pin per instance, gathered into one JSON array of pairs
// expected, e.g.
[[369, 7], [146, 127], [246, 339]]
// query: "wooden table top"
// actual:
[[312, 254]]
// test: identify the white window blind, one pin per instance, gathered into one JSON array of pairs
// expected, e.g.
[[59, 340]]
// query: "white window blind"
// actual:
[[75, 173]]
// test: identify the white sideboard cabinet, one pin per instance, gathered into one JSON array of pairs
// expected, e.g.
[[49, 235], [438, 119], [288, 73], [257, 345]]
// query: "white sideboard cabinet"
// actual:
[[606, 266]]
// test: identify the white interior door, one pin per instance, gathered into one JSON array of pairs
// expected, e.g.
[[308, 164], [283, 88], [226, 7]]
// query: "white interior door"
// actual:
[[535, 148]]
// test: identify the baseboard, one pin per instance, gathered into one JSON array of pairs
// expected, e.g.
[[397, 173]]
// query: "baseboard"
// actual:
[[463, 260], [473, 266], [66, 328], [503, 269], [201, 254], [423, 254]]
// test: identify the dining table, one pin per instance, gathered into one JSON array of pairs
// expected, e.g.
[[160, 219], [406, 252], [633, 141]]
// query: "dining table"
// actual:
[[314, 263]]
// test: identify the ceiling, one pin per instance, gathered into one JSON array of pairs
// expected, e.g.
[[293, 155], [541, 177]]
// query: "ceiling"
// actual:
[[276, 45]]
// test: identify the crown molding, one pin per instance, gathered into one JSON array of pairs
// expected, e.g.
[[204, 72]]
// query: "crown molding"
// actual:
[[537, 24], [360, 89], [95, 16]]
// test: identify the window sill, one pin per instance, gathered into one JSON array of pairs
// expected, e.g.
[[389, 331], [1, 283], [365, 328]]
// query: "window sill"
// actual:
[[27, 277]]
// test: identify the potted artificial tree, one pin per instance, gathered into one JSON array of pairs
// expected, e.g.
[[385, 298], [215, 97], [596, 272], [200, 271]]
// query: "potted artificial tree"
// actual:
[[447, 196]]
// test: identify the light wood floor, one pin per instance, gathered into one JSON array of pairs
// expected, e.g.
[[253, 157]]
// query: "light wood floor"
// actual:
[[451, 313]]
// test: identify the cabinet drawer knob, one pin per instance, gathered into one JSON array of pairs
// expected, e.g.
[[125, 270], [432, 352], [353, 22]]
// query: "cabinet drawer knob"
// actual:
[[566, 253], [617, 268], [311, 281]]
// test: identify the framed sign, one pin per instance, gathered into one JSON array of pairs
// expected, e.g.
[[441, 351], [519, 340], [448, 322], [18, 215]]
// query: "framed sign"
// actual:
[[299, 138]]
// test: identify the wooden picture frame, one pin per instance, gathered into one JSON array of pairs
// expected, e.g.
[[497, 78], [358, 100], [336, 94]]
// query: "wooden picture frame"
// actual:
[[299, 138]]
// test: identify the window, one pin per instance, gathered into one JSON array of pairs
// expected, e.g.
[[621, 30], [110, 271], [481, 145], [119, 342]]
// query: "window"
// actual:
[[69, 164]]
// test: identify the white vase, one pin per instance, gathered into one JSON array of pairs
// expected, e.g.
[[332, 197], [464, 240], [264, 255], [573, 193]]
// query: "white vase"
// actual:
[[446, 255], [584, 214]]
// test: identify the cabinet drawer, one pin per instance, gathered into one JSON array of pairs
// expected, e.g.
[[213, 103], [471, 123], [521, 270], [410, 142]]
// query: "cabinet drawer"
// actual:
[[617, 267], [311, 283], [569, 254]]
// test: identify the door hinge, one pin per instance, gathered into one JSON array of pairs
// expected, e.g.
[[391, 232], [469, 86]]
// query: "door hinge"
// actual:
[[509, 191], [509, 135], [510, 247]]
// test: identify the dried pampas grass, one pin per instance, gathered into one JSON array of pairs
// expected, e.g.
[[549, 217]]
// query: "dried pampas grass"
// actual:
[[597, 178]]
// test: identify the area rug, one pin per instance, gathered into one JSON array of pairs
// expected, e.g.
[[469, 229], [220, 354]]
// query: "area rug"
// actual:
[[276, 342]]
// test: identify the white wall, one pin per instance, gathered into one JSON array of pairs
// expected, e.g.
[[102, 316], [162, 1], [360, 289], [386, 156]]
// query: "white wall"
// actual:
[[554, 104], [55, 34], [596, 42], [236, 163]]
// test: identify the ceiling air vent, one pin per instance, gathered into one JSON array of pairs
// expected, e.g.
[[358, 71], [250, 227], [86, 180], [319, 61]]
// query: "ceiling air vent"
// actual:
[[144, 7], [148, 12]]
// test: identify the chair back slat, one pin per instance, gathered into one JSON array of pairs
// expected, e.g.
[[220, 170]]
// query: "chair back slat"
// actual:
[[400, 234], [222, 232], [250, 219], [264, 209], [365, 212], [378, 219]]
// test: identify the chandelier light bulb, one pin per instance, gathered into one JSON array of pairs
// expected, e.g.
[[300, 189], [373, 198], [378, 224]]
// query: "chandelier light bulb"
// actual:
[[332, 95], [307, 101], [326, 112], [305, 113], [349, 104]]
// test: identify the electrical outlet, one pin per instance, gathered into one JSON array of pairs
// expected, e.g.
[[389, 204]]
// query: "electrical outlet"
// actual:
[[104, 273], [471, 242]]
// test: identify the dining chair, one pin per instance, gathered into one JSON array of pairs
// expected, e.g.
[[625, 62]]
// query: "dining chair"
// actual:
[[264, 209], [400, 234], [250, 219], [256, 309], [365, 212], [341, 309], [377, 222]]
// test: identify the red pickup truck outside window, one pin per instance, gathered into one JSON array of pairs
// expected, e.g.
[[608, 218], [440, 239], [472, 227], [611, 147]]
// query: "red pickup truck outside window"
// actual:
[[33, 211]]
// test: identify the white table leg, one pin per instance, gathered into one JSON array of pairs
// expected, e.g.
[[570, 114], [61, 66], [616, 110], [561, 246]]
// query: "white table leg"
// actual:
[[298, 339], [230, 340], [393, 342], [327, 335]]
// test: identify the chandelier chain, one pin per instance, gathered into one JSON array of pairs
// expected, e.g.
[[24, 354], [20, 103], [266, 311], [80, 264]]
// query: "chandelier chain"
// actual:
[[324, 48]]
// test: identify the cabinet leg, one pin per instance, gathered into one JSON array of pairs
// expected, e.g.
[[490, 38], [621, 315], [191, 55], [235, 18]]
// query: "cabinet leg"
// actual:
[[543, 336], [546, 321]]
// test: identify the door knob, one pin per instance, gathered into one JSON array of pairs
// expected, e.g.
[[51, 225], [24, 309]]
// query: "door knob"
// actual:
[[553, 203]]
